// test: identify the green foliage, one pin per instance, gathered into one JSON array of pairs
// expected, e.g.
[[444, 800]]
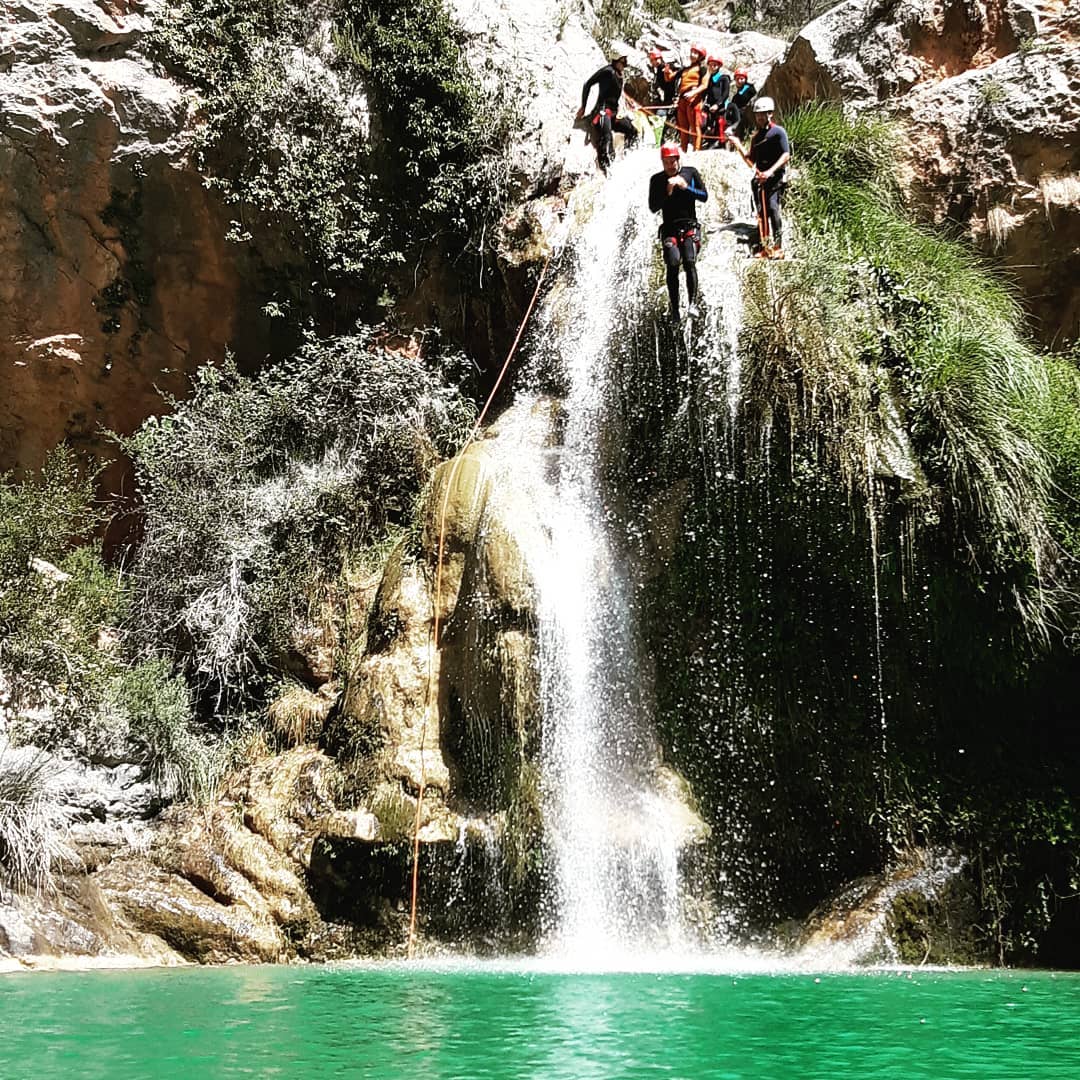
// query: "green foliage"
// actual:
[[32, 821], [154, 707], [778, 18], [287, 88], [53, 600], [665, 9], [895, 305], [256, 490], [616, 20]]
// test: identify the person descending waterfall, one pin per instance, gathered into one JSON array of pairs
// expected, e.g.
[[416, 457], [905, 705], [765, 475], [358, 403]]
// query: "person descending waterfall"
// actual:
[[676, 192], [604, 118], [768, 155]]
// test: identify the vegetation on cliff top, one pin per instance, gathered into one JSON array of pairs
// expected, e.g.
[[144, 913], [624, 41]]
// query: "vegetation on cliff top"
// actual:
[[352, 128]]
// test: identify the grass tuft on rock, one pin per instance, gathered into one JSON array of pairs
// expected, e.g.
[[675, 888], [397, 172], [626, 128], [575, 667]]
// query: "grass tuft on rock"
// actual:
[[880, 309]]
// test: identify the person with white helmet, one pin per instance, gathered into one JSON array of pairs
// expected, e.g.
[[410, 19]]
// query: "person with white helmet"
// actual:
[[675, 192], [604, 117], [768, 155]]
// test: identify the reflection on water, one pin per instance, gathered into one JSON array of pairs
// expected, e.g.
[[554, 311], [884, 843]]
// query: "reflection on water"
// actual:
[[487, 1023]]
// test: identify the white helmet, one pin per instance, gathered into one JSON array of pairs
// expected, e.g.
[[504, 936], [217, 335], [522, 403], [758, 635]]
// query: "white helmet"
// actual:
[[764, 104]]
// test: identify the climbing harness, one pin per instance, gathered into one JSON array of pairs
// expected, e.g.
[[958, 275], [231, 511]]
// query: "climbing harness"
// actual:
[[438, 596]]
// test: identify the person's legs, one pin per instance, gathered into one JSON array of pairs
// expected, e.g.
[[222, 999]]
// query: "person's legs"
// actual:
[[695, 126], [688, 249], [684, 119], [774, 193], [605, 149], [672, 258], [762, 222], [625, 126]]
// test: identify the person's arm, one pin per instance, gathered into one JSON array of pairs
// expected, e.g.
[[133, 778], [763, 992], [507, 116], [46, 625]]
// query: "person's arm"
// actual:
[[781, 161], [740, 146], [657, 192], [590, 82], [696, 186]]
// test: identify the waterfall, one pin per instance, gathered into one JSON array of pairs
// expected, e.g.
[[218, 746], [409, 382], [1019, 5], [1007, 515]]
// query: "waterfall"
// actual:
[[617, 822]]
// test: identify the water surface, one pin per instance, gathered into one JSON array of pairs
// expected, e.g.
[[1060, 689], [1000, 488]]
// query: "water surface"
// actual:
[[479, 1023]]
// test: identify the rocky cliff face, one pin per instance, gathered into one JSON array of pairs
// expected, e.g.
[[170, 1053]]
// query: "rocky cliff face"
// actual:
[[989, 98], [115, 275]]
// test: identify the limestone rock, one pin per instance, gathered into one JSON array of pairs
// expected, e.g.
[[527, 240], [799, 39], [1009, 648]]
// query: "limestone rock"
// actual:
[[988, 94], [115, 277], [74, 926], [193, 923], [872, 920]]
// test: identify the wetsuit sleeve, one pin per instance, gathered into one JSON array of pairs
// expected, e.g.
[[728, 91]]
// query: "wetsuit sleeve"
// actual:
[[724, 90], [696, 186], [657, 190], [785, 144], [590, 82]]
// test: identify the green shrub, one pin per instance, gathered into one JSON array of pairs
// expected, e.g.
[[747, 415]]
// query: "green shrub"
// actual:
[[155, 708], [256, 490], [54, 598], [33, 824], [354, 128]]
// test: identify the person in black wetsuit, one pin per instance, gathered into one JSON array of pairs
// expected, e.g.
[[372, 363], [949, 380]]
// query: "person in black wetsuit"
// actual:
[[665, 88], [739, 105], [714, 104], [676, 192], [768, 154], [604, 119]]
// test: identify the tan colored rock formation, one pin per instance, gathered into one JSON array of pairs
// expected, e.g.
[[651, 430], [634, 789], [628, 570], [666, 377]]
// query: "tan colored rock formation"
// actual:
[[989, 96], [115, 275]]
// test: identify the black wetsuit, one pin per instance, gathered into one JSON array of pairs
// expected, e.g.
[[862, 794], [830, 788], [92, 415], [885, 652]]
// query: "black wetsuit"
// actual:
[[679, 230], [739, 107], [714, 106], [605, 119], [665, 89], [767, 147]]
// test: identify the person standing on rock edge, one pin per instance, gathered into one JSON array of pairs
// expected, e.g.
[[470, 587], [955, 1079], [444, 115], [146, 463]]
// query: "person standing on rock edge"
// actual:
[[665, 87], [604, 118], [768, 155], [714, 104], [675, 192], [693, 82], [739, 106]]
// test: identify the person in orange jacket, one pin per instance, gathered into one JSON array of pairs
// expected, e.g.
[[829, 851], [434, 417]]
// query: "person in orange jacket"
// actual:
[[693, 82]]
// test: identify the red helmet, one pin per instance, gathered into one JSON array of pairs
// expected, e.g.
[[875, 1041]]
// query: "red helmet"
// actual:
[[656, 54], [716, 60], [742, 73], [668, 150], [700, 50]]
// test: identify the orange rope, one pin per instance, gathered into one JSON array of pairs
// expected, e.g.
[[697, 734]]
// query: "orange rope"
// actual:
[[438, 595], [670, 123]]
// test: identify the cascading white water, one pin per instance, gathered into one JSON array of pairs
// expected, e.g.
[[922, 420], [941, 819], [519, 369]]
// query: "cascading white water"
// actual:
[[615, 820]]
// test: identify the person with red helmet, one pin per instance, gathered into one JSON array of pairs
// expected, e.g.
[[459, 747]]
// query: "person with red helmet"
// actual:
[[738, 113], [675, 192], [714, 103], [692, 84], [604, 118]]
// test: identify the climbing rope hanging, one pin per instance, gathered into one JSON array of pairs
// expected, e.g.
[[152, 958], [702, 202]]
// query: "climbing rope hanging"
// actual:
[[435, 622]]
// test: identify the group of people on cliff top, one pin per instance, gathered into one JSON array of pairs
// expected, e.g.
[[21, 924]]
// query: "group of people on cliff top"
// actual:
[[696, 103]]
